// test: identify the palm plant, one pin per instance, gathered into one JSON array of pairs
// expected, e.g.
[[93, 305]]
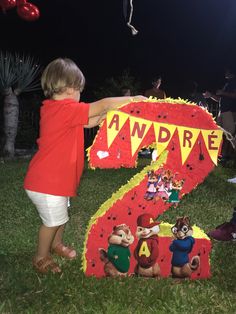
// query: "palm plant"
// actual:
[[18, 73]]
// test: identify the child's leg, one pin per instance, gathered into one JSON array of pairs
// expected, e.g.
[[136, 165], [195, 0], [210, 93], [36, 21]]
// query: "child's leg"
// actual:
[[58, 236], [59, 248], [45, 240], [54, 214], [42, 260]]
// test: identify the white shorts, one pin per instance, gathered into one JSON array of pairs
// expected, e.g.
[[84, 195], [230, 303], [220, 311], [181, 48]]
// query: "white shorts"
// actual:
[[52, 209]]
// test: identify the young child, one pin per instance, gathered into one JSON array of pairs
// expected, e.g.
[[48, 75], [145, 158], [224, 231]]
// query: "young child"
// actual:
[[55, 170]]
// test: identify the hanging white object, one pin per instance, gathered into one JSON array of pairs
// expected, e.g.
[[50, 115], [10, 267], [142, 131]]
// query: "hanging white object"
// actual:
[[133, 29]]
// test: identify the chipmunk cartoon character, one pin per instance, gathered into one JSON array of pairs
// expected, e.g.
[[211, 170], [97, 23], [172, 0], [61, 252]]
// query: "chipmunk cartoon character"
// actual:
[[177, 186], [146, 251], [181, 247], [164, 185], [151, 186], [117, 257]]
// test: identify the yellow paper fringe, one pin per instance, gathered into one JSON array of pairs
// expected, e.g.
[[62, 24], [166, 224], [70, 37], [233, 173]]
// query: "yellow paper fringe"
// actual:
[[165, 231]]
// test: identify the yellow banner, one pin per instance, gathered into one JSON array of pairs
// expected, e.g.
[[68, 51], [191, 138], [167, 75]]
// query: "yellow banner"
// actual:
[[115, 121], [138, 130], [187, 139], [212, 139], [163, 134]]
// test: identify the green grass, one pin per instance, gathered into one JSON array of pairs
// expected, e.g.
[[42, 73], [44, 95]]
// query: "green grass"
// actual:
[[24, 291]]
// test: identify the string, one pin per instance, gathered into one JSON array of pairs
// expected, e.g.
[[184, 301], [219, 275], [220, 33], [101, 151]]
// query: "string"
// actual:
[[229, 137], [133, 29]]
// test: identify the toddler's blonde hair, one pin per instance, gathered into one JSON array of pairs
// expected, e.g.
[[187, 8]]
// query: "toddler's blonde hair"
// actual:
[[59, 75]]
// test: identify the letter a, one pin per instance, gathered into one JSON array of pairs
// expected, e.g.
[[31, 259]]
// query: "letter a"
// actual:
[[144, 250]]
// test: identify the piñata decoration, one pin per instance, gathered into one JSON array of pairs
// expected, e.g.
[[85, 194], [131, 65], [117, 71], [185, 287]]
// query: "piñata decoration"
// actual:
[[186, 143]]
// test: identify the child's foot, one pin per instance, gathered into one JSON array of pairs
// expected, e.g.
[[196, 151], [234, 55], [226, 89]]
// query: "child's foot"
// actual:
[[224, 232], [64, 251], [46, 265]]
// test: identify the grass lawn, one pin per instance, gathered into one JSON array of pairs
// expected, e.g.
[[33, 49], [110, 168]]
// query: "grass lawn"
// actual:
[[22, 290]]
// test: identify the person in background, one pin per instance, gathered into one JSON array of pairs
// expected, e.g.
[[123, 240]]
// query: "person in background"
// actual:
[[192, 94], [54, 172], [227, 111], [225, 231], [155, 91]]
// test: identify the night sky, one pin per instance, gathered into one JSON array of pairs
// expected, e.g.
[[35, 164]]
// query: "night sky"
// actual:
[[179, 39]]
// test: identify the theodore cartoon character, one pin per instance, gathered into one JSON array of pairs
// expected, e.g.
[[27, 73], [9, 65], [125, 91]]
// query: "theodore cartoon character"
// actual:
[[181, 247], [117, 257], [146, 251], [151, 185]]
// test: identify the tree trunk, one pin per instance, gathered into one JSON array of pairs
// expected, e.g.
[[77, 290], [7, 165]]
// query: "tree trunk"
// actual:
[[10, 116]]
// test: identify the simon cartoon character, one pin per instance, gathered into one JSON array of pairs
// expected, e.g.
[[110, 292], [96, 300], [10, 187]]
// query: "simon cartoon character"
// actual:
[[181, 247], [146, 251], [117, 257]]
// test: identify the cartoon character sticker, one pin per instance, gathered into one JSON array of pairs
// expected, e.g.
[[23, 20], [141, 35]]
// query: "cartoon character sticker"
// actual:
[[163, 186], [146, 251], [151, 186], [117, 258], [181, 247], [177, 186]]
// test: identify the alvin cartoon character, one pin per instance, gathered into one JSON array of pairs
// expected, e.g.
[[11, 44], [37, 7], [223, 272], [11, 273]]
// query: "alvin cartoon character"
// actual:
[[117, 257], [146, 251], [164, 185], [177, 186], [181, 247], [151, 186]]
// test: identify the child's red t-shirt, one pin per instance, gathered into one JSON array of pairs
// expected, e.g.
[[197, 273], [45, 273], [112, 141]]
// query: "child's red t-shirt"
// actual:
[[57, 166]]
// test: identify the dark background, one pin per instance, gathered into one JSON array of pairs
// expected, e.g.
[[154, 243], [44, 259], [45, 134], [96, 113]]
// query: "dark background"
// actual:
[[179, 39]]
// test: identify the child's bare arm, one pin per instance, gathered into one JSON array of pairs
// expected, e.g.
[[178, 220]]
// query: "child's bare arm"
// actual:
[[102, 106], [94, 121]]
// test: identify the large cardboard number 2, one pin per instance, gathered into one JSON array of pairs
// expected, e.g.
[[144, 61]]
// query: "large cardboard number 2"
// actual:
[[186, 141]]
